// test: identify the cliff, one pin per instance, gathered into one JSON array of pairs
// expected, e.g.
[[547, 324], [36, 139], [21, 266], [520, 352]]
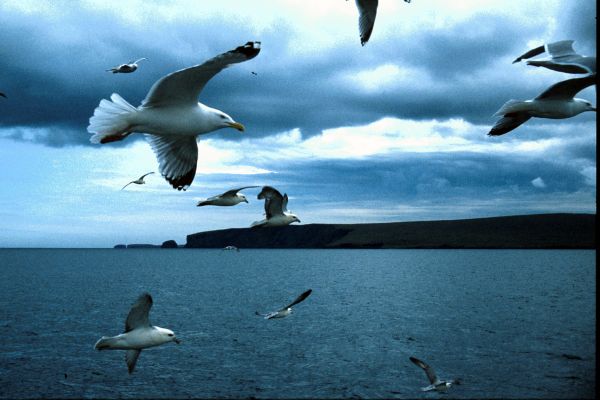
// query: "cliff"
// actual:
[[540, 231]]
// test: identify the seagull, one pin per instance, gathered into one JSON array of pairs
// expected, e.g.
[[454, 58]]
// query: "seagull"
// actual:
[[126, 68], [170, 116], [139, 334], [436, 383], [367, 11], [229, 198], [556, 102], [3, 95], [287, 310], [275, 209], [562, 58], [138, 181]]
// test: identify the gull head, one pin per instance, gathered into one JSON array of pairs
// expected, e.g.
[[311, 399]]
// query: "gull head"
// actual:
[[222, 120], [293, 218], [169, 336], [584, 105], [242, 198]]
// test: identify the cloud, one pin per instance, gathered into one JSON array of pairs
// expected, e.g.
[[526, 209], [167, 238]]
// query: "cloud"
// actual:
[[538, 183]]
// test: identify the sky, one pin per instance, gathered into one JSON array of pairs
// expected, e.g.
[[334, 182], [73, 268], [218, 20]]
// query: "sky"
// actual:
[[392, 131]]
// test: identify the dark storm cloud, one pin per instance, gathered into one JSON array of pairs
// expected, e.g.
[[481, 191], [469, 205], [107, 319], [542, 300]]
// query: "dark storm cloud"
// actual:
[[53, 71]]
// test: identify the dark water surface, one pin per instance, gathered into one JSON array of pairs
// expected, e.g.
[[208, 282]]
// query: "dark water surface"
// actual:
[[511, 324]]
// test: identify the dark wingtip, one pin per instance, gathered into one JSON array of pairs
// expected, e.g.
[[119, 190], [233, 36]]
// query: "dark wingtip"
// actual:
[[183, 182], [250, 49]]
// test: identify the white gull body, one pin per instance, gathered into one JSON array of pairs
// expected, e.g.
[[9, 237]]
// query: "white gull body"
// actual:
[[171, 116], [275, 209], [139, 333], [138, 181], [437, 384], [287, 310], [229, 198], [556, 102]]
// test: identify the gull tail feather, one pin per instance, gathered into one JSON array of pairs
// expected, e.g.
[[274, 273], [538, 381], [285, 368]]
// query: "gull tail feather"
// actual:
[[105, 343], [111, 120], [508, 107]]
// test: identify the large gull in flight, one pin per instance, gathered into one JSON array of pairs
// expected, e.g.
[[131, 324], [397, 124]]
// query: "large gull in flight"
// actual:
[[139, 334], [287, 310], [437, 384], [275, 209], [171, 116], [562, 58], [229, 198], [556, 102]]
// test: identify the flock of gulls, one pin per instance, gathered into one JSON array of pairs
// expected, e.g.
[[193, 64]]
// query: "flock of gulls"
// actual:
[[171, 118]]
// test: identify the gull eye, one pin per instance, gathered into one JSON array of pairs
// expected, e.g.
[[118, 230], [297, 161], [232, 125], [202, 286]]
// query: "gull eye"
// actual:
[[223, 117], [170, 334]]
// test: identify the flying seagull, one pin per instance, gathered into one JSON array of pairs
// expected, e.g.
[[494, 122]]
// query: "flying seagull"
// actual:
[[139, 334], [275, 209], [287, 310], [562, 58], [229, 198], [126, 68], [556, 102], [138, 181], [367, 11], [436, 383], [171, 116]]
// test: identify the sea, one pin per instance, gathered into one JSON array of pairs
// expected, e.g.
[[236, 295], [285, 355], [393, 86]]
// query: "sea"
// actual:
[[508, 323]]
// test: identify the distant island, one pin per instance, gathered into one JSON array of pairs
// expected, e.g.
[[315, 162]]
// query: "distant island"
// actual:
[[539, 231]]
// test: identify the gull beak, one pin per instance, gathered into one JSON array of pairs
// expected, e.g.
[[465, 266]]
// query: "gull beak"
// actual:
[[593, 109], [177, 341], [236, 125]]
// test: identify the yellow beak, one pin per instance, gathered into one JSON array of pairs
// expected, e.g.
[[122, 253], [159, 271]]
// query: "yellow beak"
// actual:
[[237, 126]]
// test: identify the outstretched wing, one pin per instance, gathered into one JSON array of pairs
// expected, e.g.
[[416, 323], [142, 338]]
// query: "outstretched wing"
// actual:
[[233, 192], [433, 379], [184, 86], [177, 158], [138, 314], [568, 89], [509, 122], [531, 53], [367, 11], [127, 185], [299, 299], [273, 201], [131, 357], [145, 175]]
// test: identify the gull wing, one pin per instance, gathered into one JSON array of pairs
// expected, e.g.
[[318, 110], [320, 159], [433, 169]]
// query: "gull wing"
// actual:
[[433, 379], [273, 201], [131, 357], [233, 192], [127, 185], [299, 299], [177, 158], [138, 314], [567, 89], [284, 203], [561, 49], [531, 53], [509, 122], [184, 86], [145, 175], [367, 11]]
